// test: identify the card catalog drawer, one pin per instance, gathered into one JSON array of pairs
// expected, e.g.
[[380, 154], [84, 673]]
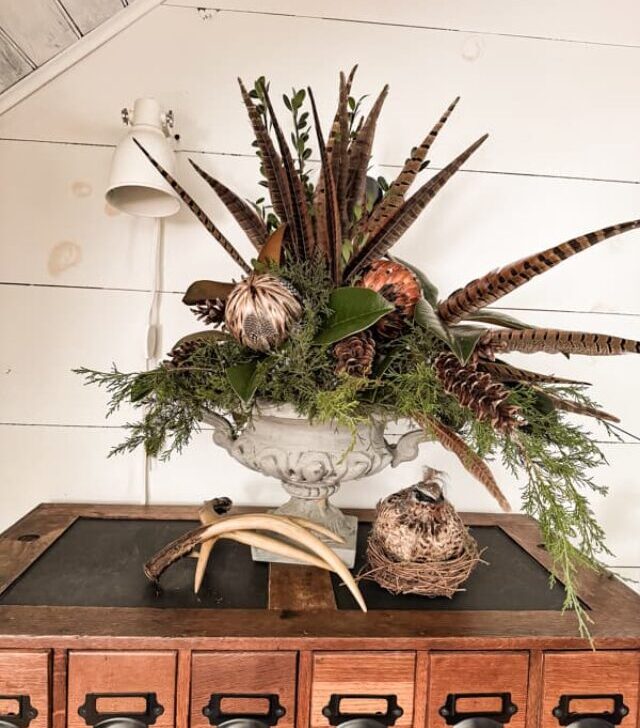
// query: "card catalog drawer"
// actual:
[[24, 689]]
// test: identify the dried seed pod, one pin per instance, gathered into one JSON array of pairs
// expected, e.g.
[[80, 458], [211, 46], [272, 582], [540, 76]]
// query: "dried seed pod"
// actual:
[[261, 310]]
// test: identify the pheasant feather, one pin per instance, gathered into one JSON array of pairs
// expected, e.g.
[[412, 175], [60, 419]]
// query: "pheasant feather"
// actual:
[[474, 465], [271, 162], [197, 211], [301, 229], [555, 341], [494, 285], [399, 187], [328, 203], [359, 154], [404, 217], [580, 408], [503, 372], [252, 224]]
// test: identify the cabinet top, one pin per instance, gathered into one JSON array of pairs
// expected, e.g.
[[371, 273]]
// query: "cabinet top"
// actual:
[[74, 572]]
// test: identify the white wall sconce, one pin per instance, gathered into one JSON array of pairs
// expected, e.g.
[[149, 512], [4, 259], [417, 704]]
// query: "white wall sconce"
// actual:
[[135, 187]]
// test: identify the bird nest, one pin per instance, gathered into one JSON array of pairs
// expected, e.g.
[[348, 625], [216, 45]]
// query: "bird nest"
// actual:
[[425, 577]]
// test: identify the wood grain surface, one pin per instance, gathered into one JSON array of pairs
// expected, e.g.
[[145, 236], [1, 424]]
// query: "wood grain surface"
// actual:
[[478, 672], [122, 672], [27, 673], [243, 672], [590, 673], [363, 673]]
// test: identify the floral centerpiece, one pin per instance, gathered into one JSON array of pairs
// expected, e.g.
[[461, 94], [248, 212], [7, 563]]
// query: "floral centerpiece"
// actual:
[[326, 322]]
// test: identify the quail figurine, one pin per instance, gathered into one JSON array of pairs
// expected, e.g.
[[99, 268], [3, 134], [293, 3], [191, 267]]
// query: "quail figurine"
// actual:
[[418, 523]]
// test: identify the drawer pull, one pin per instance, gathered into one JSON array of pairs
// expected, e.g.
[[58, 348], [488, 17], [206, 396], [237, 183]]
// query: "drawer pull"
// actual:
[[25, 714], [565, 716], [331, 711], [120, 719], [218, 717], [480, 718]]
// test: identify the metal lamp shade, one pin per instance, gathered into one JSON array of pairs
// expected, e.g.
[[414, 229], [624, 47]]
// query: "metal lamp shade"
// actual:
[[135, 186]]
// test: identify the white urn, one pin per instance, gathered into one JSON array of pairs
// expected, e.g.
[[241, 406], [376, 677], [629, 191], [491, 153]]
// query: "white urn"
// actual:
[[311, 460]]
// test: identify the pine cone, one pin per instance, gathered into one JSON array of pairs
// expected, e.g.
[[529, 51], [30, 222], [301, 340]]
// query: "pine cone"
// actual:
[[478, 392], [354, 355], [180, 354], [261, 310], [210, 312], [400, 287]]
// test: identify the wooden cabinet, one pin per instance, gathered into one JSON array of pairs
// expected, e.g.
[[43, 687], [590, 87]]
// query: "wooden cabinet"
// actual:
[[242, 684], [363, 684], [121, 682], [24, 687], [474, 684], [586, 683]]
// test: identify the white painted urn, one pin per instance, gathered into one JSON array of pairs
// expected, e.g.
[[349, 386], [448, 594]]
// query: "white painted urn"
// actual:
[[311, 460]]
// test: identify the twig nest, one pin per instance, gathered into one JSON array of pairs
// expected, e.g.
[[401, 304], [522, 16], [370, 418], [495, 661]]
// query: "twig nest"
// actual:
[[418, 543], [261, 310]]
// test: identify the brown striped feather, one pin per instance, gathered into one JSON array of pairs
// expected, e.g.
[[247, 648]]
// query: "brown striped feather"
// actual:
[[504, 372], [472, 462], [406, 215], [341, 160], [329, 209], [303, 231], [555, 341], [578, 408], [252, 224], [271, 162], [359, 155], [498, 283], [197, 211], [399, 187]]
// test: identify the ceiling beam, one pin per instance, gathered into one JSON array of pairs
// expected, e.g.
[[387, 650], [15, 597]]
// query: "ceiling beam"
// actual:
[[75, 53]]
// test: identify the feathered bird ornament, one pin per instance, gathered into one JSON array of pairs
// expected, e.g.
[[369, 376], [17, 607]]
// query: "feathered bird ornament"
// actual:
[[418, 523]]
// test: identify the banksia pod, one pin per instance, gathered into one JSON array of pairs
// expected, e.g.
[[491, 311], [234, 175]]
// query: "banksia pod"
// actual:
[[210, 312], [261, 310], [478, 392], [398, 285], [354, 355]]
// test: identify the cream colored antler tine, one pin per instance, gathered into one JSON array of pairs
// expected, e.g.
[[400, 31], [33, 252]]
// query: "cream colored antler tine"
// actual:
[[207, 515], [267, 522], [313, 526], [277, 547]]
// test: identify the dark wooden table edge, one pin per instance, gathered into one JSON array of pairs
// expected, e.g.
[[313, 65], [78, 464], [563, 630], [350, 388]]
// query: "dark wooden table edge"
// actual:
[[619, 627]]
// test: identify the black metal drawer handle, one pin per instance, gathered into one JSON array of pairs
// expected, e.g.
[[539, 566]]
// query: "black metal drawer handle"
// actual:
[[453, 716], [331, 711], [213, 710], [92, 716], [26, 712], [565, 716]]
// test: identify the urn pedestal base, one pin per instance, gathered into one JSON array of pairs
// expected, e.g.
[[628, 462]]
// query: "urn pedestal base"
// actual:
[[312, 502]]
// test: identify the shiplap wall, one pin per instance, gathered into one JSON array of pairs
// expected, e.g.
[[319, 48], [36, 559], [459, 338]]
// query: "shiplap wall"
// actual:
[[553, 84]]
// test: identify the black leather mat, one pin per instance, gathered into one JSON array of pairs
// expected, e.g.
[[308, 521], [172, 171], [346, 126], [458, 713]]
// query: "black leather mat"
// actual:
[[510, 581], [98, 563]]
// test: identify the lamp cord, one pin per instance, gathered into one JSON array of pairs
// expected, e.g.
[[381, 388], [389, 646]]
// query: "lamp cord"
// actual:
[[153, 328]]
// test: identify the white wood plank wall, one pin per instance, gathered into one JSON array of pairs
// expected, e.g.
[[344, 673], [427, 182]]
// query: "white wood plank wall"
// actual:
[[552, 82]]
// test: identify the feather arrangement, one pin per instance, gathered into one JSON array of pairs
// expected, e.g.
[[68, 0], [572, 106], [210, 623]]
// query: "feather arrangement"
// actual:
[[324, 318]]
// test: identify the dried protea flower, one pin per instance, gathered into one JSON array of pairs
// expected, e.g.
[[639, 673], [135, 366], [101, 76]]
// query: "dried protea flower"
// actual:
[[354, 355], [210, 312], [261, 310], [399, 286]]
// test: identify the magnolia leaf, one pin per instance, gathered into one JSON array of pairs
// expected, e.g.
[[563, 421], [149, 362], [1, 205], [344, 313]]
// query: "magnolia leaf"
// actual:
[[464, 340], [354, 310], [271, 251], [243, 379], [201, 291], [429, 291], [425, 315], [206, 335], [489, 316]]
